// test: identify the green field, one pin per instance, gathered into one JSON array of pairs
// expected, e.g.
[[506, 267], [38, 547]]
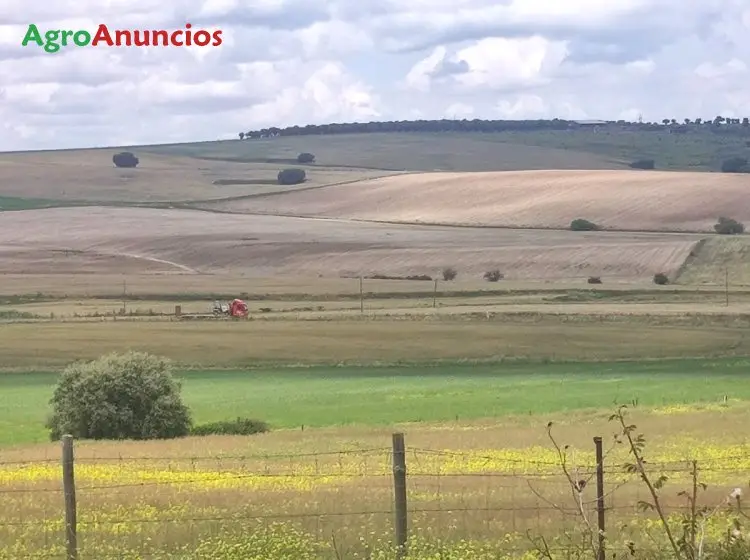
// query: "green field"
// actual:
[[496, 151], [318, 397]]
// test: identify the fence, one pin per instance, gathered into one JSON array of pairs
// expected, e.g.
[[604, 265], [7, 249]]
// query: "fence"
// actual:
[[348, 501]]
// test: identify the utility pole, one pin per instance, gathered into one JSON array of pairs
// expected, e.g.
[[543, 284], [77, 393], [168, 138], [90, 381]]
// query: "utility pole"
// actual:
[[124, 295], [726, 286]]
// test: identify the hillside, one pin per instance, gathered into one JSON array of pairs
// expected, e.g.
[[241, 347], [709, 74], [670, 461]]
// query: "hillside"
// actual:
[[88, 176], [623, 200], [399, 152], [143, 240]]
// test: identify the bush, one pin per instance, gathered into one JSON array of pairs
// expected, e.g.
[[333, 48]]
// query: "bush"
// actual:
[[735, 165], [305, 157], [661, 278], [493, 275], [449, 273], [238, 427], [128, 396], [643, 164], [594, 280], [125, 159], [291, 176], [579, 224], [728, 226]]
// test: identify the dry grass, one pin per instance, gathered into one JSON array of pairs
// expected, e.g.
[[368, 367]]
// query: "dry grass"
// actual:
[[300, 287], [111, 240], [717, 260], [211, 343], [628, 200], [467, 481], [89, 175]]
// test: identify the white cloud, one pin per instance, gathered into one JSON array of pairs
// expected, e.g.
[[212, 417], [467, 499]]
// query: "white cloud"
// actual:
[[286, 62]]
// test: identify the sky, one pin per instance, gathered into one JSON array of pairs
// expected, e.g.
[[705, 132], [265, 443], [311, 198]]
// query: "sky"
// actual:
[[287, 62]]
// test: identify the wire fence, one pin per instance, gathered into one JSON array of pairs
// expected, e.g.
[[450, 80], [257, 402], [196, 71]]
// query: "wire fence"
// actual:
[[345, 503]]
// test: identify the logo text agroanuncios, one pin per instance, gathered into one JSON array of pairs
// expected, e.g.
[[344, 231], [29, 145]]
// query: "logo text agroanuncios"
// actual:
[[54, 39]]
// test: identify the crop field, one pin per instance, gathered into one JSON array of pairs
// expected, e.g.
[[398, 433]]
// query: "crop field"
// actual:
[[497, 151], [129, 240], [623, 200], [397, 152], [87, 176]]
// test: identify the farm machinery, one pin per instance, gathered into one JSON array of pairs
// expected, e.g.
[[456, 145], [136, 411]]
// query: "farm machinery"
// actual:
[[235, 308]]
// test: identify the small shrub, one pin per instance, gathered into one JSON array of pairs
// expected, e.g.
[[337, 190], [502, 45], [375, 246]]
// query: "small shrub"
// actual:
[[579, 224], [661, 278], [449, 273], [238, 427], [643, 164], [125, 159], [305, 157], [728, 226], [291, 176], [493, 275], [119, 396], [594, 280]]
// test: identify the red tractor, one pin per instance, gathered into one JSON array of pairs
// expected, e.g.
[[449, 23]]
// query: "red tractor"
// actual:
[[236, 308]]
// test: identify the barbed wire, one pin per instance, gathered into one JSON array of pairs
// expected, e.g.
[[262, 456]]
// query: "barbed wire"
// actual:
[[468, 454]]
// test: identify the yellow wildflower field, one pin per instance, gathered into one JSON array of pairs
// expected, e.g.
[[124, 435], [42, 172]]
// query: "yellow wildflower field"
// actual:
[[472, 491]]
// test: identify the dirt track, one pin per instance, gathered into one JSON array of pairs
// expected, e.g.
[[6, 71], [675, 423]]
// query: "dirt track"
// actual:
[[628, 200], [117, 240]]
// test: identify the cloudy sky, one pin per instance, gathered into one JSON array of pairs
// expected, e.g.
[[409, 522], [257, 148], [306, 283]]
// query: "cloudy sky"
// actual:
[[286, 62]]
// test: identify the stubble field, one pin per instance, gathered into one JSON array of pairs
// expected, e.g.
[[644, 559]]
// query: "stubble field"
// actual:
[[129, 240], [621, 200]]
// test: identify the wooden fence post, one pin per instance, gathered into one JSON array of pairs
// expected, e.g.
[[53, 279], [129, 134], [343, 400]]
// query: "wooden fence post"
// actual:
[[69, 491], [600, 496], [399, 486]]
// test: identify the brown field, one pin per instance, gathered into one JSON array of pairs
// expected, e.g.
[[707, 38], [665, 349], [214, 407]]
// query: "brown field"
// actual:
[[89, 175], [129, 241], [230, 344], [624, 200]]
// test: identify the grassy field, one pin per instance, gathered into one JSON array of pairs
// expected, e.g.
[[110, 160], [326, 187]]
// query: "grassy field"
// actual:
[[319, 397], [505, 151], [230, 344]]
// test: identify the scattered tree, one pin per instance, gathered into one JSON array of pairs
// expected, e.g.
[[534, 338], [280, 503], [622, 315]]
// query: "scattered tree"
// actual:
[[493, 275], [661, 278], [728, 226], [125, 159], [305, 157], [291, 176], [580, 224], [449, 273], [242, 135], [128, 396], [643, 164]]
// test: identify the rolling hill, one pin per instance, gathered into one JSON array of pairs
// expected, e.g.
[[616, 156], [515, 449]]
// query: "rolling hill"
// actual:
[[619, 200]]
